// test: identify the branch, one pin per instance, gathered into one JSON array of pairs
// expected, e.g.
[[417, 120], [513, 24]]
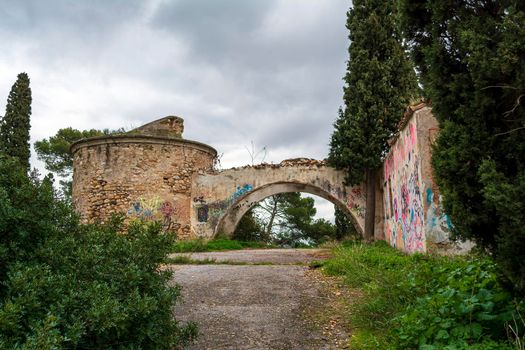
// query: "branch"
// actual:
[[508, 132], [518, 103], [500, 86]]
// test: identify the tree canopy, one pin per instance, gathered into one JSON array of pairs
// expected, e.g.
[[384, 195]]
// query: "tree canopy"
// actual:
[[285, 219], [55, 151], [471, 61]]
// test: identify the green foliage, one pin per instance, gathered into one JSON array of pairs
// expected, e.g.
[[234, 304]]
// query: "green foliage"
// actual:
[[423, 302], [344, 227], [250, 228], [15, 125], [470, 56], [64, 285], [200, 245], [378, 86], [288, 220], [463, 304], [54, 152], [295, 225]]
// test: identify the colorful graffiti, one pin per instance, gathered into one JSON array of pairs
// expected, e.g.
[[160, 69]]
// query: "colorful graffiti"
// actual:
[[355, 202], [438, 224], [144, 209], [153, 209], [212, 212], [403, 203], [241, 191]]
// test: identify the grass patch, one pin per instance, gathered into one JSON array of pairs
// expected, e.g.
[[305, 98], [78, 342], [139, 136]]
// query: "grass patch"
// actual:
[[186, 260], [200, 245], [422, 301]]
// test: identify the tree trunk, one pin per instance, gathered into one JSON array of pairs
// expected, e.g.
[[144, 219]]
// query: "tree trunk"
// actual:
[[273, 213], [370, 212]]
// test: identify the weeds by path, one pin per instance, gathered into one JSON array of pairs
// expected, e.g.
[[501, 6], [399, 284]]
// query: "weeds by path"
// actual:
[[425, 302], [201, 245]]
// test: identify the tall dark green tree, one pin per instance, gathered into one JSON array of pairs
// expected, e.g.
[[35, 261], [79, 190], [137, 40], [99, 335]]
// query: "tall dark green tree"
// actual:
[[15, 125], [379, 83], [471, 59]]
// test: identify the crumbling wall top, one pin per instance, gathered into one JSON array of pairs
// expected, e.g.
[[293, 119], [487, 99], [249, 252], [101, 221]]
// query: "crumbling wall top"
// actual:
[[170, 126]]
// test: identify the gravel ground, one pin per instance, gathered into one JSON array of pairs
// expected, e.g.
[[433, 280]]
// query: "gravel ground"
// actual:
[[255, 306]]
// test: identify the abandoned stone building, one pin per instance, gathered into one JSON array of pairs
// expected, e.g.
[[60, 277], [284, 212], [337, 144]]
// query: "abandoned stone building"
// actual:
[[153, 173]]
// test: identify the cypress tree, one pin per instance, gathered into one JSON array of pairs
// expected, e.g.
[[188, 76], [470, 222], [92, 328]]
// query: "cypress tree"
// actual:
[[471, 57], [14, 127], [379, 83]]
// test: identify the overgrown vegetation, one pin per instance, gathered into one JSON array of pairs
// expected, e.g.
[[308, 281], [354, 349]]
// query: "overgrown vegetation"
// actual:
[[471, 60], [201, 245], [64, 285], [426, 302]]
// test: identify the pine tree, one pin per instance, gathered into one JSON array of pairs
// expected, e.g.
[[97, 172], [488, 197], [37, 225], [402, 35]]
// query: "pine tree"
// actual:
[[378, 86], [14, 127], [471, 58]]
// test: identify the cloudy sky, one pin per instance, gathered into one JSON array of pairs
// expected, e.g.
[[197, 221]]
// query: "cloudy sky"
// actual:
[[238, 71]]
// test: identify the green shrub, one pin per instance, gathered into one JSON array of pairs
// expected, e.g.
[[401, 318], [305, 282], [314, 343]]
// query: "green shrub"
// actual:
[[422, 301], [463, 305], [70, 286]]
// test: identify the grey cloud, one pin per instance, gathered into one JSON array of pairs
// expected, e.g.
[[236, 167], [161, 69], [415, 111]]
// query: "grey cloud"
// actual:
[[213, 27], [30, 17], [268, 71]]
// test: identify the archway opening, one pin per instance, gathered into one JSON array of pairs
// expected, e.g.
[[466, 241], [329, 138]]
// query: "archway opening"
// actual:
[[294, 219], [285, 214]]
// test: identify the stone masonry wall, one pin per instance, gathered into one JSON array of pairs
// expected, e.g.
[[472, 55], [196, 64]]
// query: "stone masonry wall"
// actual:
[[144, 177]]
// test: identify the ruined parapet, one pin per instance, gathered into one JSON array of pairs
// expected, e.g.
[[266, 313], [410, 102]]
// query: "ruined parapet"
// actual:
[[145, 174], [170, 126]]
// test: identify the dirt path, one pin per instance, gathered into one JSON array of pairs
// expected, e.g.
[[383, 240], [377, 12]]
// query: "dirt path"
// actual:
[[259, 306]]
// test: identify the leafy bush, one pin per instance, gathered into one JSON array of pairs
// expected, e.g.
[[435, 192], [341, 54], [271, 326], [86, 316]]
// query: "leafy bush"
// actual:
[[422, 301], [67, 285], [463, 305]]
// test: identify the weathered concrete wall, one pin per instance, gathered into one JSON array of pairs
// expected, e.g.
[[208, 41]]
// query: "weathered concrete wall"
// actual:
[[413, 218], [146, 177], [219, 200]]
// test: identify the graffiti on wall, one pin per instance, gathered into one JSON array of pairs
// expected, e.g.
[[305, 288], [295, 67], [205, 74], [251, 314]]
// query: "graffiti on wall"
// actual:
[[438, 224], [354, 200], [212, 212], [403, 203], [153, 209]]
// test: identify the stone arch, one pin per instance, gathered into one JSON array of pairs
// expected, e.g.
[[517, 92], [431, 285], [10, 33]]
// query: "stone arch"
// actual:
[[233, 214]]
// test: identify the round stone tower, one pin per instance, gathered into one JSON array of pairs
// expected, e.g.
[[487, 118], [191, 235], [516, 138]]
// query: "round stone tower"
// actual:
[[146, 173]]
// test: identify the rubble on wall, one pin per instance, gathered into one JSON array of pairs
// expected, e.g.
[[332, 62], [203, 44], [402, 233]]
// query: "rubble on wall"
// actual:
[[295, 162]]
